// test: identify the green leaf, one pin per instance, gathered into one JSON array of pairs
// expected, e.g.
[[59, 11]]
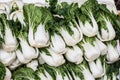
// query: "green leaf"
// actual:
[[114, 43], [2, 71], [50, 70], [32, 15], [25, 73], [89, 7], [45, 50]]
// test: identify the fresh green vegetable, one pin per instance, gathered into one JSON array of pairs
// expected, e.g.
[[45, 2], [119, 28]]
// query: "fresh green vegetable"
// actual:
[[2, 71], [25, 74]]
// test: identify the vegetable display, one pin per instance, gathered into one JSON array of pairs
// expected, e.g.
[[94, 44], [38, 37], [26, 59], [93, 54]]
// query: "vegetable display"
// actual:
[[59, 40]]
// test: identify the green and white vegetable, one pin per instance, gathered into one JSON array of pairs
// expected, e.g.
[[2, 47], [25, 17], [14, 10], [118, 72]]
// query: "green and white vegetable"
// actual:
[[59, 40], [74, 38], [5, 8], [88, 27], [17, 15], [16, 63], [102, 46], [27, 53], [8, 74], [7, 58], [17, 4], [33, 65], [57, 44], [10, 41], [38, 36], [91, 49], [25, 73], [112, 55], [110, 5], [107, 31], [86, 72], [43, 74], [74, 54], [88, 75], [52, 58], [97, 68]]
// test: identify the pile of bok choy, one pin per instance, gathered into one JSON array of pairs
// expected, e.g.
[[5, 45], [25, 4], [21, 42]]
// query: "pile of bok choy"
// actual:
[[59, 40]]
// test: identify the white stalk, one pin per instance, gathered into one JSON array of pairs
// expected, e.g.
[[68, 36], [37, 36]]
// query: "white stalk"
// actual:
[[88, 29], [42, 76], [8, 74], [74, 55], [53, 59], [75, 77], [21, 58], [18, 15], [15, 64], [28, 51], [109, 34], [33, 65], [17, 3], [40, 59], [7, 58], [101, 66], [40, 38], [41, 3], [57, 44], [105, 77], [73, 39], [114, 76], [91, 52], [49, 77], [112, 54], [59, 76], [66, 77], [87, 75], [102, 47], [10, 43], [69, 76], [118, 46], [97, 69]]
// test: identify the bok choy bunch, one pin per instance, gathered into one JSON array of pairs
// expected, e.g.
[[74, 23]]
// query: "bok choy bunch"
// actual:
[[59, 40], [86, 18], [43, 74], [106, 32], [57, 44], [113, 54], [72, 35], [26, 53], [90, 48], [97, 67], [52, 58], [74, 54], [69, 28], [9, 36], [36, 18], [7, 58]]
